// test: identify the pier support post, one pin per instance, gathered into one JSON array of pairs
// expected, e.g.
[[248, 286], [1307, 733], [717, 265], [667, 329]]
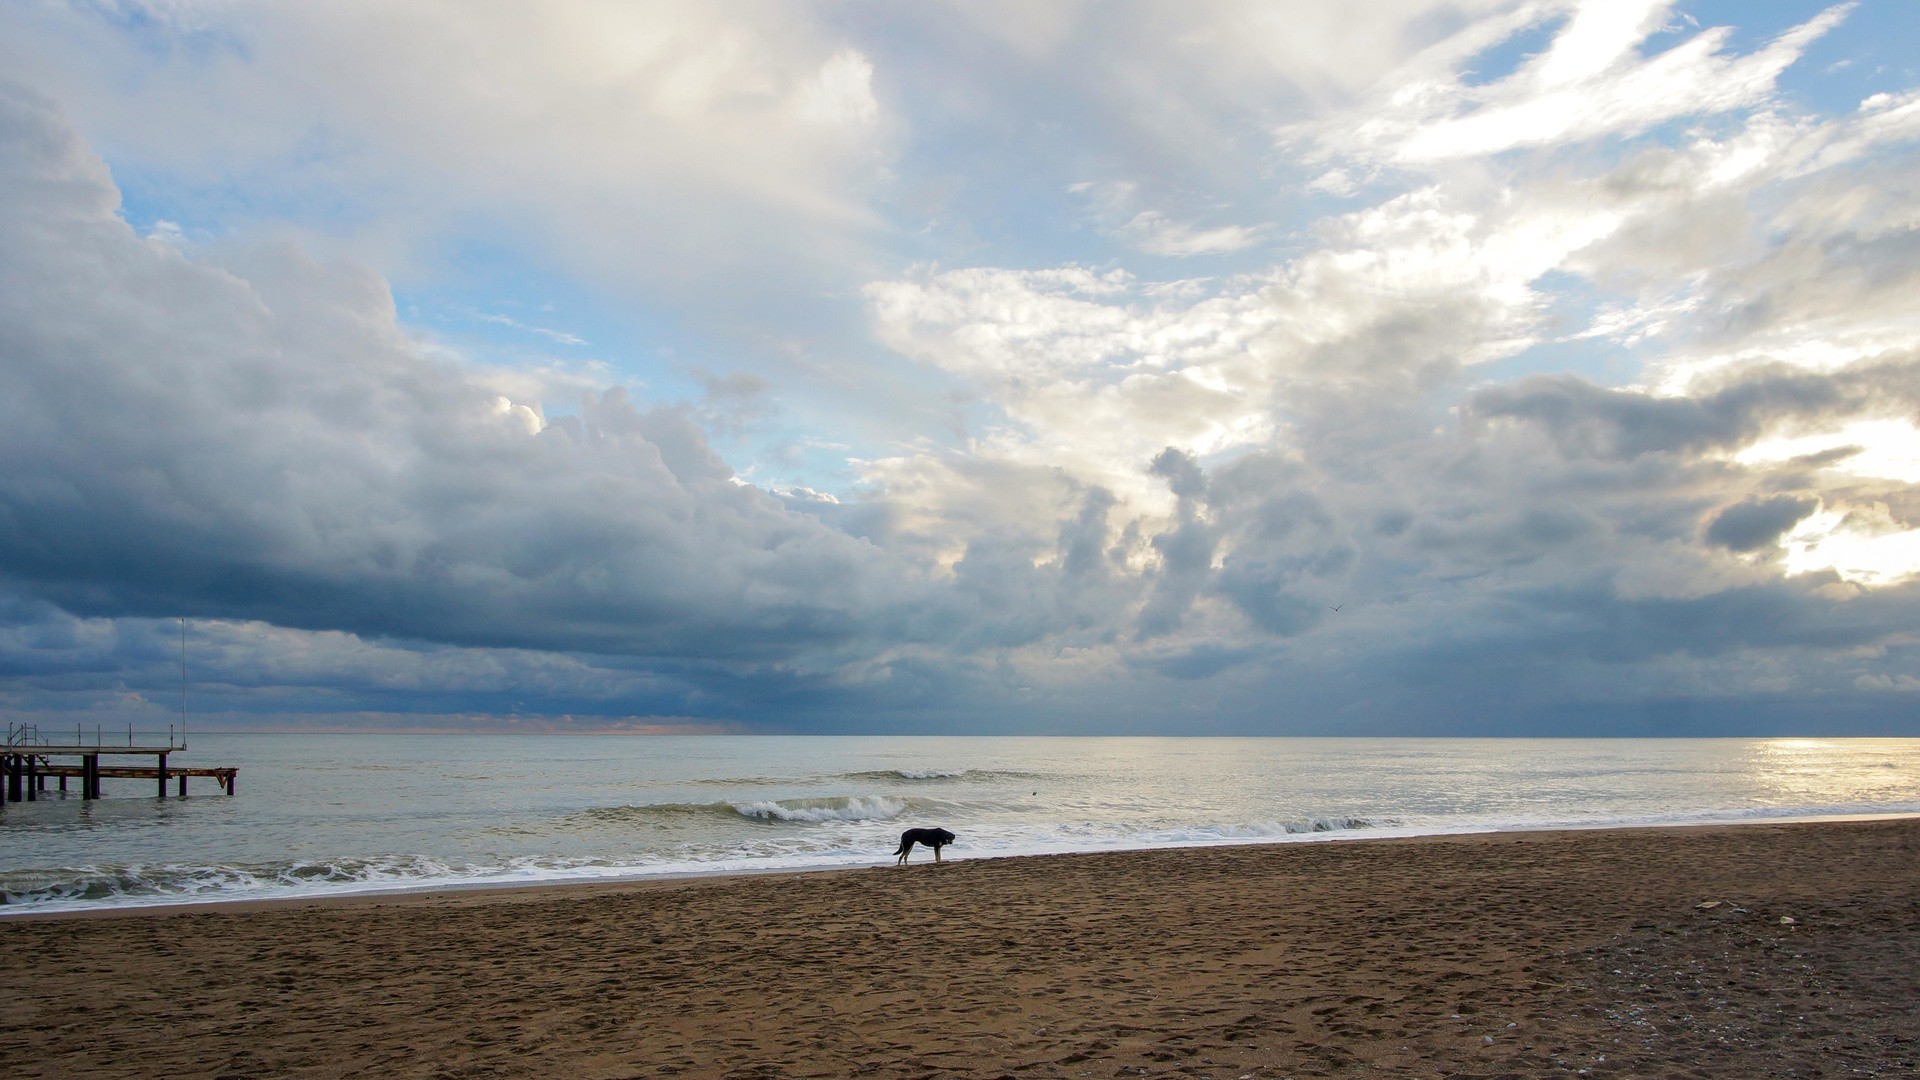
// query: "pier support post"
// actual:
[[33, 778], [161, 768], [14, 770], [90, 776]]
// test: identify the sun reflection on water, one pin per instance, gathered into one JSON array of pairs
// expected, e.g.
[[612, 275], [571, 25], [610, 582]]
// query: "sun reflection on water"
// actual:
[[1788, 771]]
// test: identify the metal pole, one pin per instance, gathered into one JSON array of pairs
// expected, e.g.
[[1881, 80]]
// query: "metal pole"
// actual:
[[183, 688]]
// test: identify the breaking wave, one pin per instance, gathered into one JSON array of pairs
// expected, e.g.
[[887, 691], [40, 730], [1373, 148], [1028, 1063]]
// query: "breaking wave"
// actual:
[[179, 883], [889, 776], [800, 811], [854, 808]]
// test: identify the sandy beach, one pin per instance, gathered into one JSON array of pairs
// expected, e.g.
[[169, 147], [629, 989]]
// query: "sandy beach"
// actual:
[[1757, 950]]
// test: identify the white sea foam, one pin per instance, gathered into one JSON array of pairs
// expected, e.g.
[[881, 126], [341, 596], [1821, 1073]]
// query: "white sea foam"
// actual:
[[858, 808]]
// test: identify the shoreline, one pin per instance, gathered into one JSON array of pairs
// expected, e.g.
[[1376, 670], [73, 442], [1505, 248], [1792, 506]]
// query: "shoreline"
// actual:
[[478, 891], [1735, 951]]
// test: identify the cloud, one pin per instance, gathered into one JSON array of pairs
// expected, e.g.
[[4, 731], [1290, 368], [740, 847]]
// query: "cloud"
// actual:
[[1904, 684], [658, 144], [258, 439], [1154, 232], [1573, 412], [1590, 83], [557, 336], [841, 94], [1758, 523]]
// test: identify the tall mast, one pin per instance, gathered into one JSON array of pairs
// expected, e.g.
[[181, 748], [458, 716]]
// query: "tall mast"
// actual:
[[183, 683]]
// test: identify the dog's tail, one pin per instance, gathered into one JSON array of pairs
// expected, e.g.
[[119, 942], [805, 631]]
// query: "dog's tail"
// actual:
[[904, 845]]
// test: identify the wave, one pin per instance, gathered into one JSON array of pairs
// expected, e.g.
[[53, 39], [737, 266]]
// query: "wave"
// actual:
[[797, 811], [1318, 824], [900, 775], [182, 883], [967, 775], [747, 836], [1261, 830], [839, 808]]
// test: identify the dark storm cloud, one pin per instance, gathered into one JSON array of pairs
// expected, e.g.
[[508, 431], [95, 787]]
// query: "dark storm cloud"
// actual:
[[1591, 421], [1758, 523], [1288, 548], [1185, 550]]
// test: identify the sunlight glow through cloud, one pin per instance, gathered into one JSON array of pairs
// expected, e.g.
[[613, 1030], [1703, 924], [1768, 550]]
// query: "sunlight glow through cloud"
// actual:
[[1861, 546]]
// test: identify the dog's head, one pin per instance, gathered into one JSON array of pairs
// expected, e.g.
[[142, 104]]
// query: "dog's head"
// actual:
[[942, 836]]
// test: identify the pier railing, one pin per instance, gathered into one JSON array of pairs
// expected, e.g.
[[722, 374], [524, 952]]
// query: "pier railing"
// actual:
[[32, 756], [26, 736]]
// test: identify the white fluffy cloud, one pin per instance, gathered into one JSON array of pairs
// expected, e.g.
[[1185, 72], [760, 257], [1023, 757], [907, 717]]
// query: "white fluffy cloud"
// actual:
[[259, 438], [650, 144]]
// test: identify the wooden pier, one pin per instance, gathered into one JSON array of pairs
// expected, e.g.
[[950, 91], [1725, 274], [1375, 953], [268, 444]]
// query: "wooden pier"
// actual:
[[29, 761]]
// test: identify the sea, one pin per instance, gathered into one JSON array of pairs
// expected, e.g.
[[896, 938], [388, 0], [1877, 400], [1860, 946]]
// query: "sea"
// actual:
[[327, 815]]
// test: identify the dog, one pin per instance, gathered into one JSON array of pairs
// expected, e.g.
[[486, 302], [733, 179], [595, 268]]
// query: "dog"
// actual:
[[933, 838]]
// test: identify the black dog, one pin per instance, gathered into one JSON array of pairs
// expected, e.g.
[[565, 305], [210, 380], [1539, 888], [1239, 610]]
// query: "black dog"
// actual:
[[933, 838]]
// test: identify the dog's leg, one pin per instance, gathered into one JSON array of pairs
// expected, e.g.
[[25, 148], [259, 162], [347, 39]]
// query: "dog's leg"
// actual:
[[936, 853]]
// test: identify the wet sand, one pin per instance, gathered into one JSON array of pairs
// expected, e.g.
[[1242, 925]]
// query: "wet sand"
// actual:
[[1748, 951]]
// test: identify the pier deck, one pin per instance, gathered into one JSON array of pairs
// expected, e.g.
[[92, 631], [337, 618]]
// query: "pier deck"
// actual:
[[26, 764]]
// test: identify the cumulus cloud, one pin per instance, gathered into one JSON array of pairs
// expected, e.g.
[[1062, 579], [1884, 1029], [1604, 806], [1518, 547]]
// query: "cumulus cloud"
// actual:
[[259, 439], [1327, 444]]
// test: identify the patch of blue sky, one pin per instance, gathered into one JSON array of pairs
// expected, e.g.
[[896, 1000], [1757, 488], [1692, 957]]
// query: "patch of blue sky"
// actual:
[[171, 33], [144, 209], [817, 463], [1495, 63], [1752, 26], [1601, 360], [501, 305], [502, 308], [1872, 52], [1203, 270], [1573, 304], [995, 215], [300, 186]]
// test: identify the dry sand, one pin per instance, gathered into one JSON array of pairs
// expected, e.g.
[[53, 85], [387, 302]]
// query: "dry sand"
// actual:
[[1537, 954]]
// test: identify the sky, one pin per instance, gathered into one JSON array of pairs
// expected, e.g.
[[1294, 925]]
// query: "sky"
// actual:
[[1484, 367]]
